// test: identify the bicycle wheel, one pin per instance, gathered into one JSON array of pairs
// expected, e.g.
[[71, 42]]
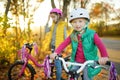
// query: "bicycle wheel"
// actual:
[[15, 69], [103, 75]]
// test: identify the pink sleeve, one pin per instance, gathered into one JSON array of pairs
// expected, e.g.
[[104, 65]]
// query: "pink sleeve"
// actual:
[[63, 45], [100, 46]]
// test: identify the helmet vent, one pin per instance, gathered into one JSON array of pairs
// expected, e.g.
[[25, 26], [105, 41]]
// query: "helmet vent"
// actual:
[[71, 16], [81, 13]]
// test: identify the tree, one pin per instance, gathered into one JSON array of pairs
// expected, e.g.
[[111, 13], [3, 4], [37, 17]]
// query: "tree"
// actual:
[[65, 6], [80, 3], [53, 4], [100, 11], [83, 3], [6, 25], [7, 7]]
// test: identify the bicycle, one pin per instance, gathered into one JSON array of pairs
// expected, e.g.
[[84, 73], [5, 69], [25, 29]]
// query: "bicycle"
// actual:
[[71, 74], [23, 70]]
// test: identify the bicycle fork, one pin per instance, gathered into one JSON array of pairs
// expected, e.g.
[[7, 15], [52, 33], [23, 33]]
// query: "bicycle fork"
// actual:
[[22, 70]]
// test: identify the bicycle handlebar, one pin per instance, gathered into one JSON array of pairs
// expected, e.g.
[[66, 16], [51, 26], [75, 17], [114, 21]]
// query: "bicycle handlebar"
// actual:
[[29, 46], [82, 66]]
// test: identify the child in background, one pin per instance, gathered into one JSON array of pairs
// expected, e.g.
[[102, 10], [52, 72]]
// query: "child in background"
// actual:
[[55, 34], [84, 42]]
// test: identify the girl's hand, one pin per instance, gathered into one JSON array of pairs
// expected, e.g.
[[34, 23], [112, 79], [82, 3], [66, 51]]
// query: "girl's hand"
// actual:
[[103, 60], [53, 55]]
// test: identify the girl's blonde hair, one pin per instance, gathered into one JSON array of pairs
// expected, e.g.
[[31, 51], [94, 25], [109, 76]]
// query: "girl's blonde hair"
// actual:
[[74, 35]]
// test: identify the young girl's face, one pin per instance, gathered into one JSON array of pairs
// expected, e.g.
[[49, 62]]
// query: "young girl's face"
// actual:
[[78, 24], [54, 17]]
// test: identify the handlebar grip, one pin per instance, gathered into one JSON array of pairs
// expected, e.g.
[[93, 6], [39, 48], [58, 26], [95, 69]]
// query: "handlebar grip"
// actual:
[[56, 57], [28, 45], [107, 63]]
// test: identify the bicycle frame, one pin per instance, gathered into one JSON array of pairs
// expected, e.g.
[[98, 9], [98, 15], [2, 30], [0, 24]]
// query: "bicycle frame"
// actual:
[[26, 56]]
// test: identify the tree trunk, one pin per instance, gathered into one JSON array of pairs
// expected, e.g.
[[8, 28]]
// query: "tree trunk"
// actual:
[[6, 18], [7, 7], [83, 3], [65, 5], [53, 4]]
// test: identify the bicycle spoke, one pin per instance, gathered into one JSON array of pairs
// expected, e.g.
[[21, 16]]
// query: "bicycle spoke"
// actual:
[[16, 71]]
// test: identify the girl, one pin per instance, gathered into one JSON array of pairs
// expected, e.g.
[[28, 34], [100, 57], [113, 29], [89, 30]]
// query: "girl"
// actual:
[[55, 34], [84, 42]]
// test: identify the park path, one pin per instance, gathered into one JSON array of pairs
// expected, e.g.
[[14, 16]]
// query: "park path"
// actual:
[[113, 49]]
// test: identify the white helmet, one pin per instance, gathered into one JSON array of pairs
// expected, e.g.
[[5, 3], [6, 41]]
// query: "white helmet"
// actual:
[[79, 13]]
